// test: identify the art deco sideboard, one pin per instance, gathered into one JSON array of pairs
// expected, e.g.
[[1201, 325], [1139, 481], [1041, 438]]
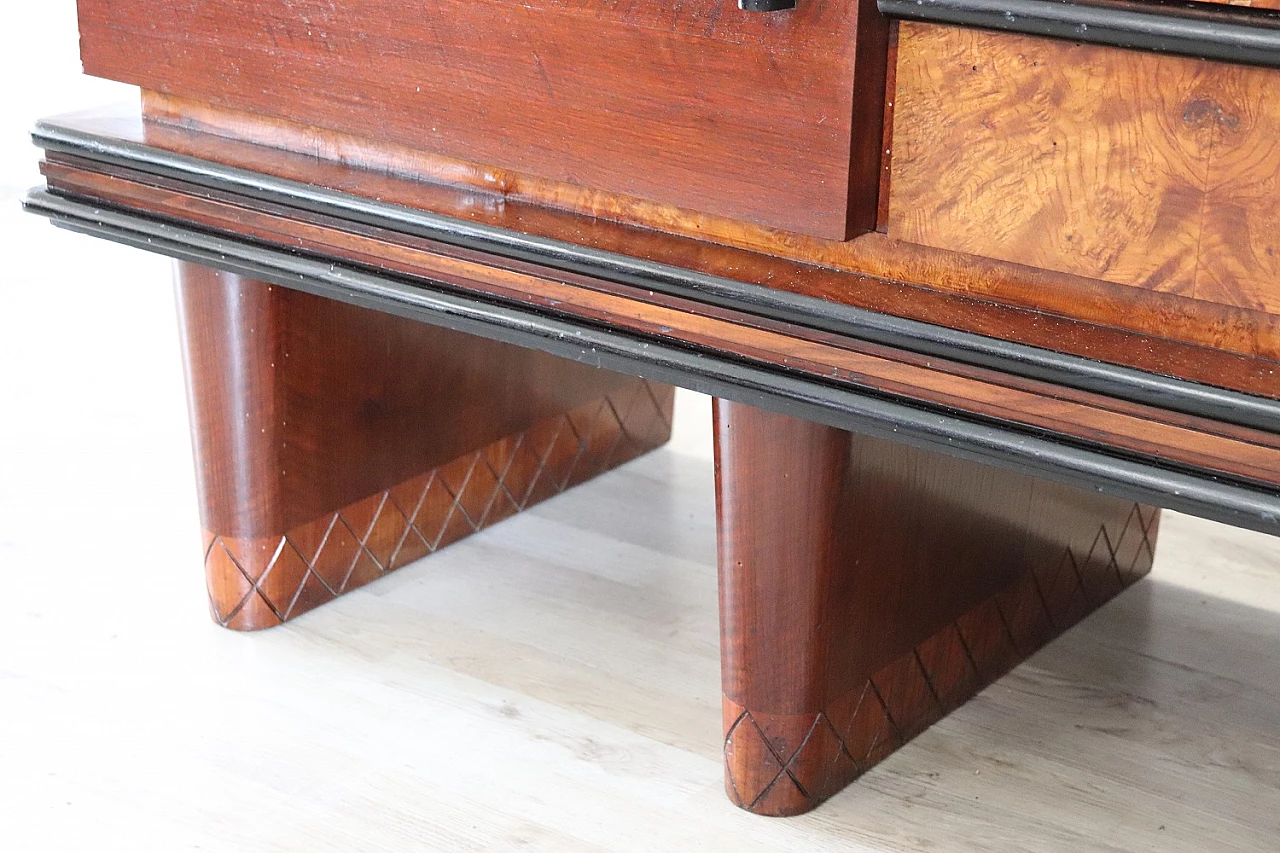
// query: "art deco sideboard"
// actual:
[[979, 286]]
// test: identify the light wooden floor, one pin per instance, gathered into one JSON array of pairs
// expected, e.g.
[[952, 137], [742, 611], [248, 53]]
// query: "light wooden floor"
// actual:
[[552, 684]]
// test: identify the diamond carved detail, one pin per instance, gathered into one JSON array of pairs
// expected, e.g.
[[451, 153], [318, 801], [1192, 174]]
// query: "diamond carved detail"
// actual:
[[258, 583], [784, 765]]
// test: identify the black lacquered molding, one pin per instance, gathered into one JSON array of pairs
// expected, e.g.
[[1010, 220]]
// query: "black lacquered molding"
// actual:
[[1146, 479], [766, 5], [1232, 34], [1070, 371]]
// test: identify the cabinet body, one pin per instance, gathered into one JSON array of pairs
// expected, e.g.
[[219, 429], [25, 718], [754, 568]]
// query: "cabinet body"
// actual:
[[975, 305]]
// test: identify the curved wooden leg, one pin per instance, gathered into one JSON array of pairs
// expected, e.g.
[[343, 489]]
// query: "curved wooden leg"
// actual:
[[868, 588], [334, 443]]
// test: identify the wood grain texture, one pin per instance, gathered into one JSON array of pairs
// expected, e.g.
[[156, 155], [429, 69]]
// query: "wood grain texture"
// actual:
[[1140, 169], [768, 118], [872, 271], [1239, 452], [868, 589], [575, 693], [1240, 241], [334, 443]]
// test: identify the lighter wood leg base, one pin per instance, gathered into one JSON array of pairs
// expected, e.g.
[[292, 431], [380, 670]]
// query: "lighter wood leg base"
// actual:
[[334, 444], [868, 588]]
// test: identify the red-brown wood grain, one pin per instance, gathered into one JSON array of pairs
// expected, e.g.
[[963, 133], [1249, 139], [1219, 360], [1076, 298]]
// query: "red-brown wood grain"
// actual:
[[1154, 171], [891, 275], [1238, 451], [772, 118], [868, 588], [327, 437]]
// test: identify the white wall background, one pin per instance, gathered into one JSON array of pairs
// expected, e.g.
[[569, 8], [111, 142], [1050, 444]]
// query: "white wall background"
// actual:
[[94, 458]]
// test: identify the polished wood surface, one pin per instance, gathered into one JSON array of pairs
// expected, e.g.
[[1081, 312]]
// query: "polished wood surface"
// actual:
[[1240, 452], [1090, 317], [335, 443], [831, 662], [871, 581], [867, 589], [1159, 172], [773, 119], [872, 270]]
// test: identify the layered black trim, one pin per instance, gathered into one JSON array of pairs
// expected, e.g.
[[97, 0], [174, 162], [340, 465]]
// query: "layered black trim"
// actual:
[[1147, 479], [1069, 371], [1227, 34]]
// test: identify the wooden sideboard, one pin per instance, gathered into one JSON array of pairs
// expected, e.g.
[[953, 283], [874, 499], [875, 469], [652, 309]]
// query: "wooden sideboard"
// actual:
[[978, 287]]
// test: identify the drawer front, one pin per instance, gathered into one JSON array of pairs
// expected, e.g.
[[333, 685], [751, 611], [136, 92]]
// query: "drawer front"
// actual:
[[1153, 171], [692, 104]]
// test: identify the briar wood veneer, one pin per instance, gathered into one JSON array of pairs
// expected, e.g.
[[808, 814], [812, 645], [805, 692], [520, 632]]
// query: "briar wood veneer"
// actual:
[[1159, 172], [334, 444]]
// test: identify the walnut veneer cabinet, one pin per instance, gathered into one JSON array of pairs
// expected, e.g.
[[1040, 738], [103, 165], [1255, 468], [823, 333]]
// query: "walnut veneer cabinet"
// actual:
[[979, 287]]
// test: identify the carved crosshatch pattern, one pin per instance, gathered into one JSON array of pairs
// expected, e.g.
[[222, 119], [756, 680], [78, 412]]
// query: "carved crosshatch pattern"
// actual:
[[781, 764], [259, 583]]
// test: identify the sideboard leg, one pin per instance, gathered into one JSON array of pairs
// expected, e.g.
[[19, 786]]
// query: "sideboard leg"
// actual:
[[334, 443], [868, 588]]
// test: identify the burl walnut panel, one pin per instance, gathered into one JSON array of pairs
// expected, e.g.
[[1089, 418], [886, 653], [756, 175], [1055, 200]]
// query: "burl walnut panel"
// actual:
[[335, 443], [868, 589], [770, 118], [1159, 172]]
